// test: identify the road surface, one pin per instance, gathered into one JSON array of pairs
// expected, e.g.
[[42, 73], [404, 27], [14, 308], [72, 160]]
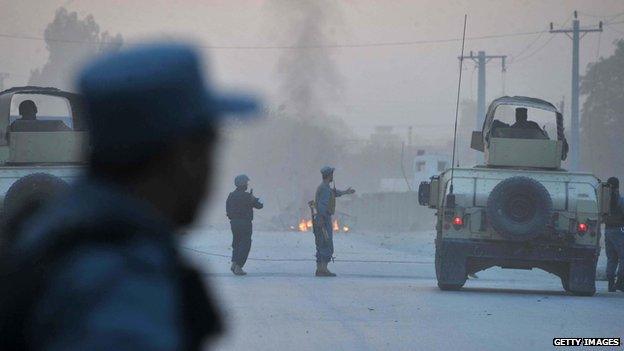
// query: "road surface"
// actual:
[[385, 298]]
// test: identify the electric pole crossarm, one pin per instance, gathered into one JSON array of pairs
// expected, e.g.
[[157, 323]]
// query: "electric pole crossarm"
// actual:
[[581, 30]]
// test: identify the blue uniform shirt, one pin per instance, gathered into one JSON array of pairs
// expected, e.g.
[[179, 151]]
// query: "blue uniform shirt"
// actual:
[[326, 199], [104, 296]]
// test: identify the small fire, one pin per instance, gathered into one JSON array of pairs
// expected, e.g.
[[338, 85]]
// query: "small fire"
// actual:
[[304, 225]]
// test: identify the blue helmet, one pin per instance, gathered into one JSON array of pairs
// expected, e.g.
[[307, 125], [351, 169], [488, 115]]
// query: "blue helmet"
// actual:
[[327, 170], [241, 180]]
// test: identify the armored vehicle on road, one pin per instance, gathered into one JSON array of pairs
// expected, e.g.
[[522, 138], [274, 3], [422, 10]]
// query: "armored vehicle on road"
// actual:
[[42, 144], [520, 209]]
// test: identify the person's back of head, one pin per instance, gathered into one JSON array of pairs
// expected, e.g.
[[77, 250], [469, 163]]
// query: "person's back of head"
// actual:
[[28, 110], [327, 173], [521, 114], [241, 182]]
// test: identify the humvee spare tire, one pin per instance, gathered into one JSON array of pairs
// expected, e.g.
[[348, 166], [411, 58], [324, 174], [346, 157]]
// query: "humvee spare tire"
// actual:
[[519, 208], [29, 193]]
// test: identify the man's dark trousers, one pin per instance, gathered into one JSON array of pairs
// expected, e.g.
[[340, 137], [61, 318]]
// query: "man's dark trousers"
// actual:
[[241, 240], [614, 248]]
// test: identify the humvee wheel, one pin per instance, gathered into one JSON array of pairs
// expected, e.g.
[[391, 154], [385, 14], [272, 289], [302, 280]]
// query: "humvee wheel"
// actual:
[[450, 270], [28, 194], [449, 287], [565, 282], [581, 279]]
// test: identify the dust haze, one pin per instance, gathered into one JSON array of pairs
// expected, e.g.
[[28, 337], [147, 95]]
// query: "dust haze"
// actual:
[[358, 85]]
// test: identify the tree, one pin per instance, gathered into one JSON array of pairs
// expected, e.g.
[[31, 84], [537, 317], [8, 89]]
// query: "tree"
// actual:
[[69, 41], [602, 126]]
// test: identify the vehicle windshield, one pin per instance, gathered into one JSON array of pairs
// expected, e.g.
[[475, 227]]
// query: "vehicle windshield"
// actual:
[[511, 121], [46, 108]]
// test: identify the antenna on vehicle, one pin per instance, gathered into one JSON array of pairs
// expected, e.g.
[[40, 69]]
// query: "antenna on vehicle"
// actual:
[[461, 63]]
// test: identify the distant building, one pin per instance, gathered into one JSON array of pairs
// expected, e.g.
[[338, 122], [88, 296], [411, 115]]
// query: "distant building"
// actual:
[[424, 167], [428, 165], [384, 136]]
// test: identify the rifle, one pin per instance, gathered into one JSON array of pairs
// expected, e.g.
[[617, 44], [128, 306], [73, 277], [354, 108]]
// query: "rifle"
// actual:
[[317, 221]]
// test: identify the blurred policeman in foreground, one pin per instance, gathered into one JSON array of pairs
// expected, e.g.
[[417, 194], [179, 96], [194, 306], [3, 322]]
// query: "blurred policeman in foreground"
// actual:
[[614, 238], [239, 208], [100, 269], [325, 201]]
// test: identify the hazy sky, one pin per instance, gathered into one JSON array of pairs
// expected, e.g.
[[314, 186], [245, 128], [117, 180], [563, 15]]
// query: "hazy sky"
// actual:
[[392, 85]]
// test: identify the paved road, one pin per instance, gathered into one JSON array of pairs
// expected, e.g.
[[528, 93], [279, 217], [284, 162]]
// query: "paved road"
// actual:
[[379, 305]]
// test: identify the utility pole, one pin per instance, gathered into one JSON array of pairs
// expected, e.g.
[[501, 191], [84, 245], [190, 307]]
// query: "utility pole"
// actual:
[[481, 59], [577, 34]]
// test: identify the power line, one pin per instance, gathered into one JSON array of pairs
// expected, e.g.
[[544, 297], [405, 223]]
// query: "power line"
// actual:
[[525, 57], [612, 23], [513, 57], [601, 16], [517, 57], [520, 59], [287, 47], [617, 30]]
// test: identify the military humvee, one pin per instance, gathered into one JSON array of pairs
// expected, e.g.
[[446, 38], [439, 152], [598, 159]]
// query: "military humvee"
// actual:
[[520, 209], [38, 156]]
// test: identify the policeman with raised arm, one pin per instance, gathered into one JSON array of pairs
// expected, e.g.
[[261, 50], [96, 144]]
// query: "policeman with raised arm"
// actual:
[[325, 202]]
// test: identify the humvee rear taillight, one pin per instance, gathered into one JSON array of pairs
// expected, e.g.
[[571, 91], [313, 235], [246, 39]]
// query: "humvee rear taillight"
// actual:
[[582, 228], [458, 222]]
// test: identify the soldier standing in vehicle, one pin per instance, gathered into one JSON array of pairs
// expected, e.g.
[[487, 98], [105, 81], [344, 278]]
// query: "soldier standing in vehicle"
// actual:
[[325, 201], [239, 207], [614, 238]]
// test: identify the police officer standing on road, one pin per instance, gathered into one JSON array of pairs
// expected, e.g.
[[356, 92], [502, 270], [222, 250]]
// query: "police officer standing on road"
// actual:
[[100, 268], [614, 238], [239, 208], [325, 201]]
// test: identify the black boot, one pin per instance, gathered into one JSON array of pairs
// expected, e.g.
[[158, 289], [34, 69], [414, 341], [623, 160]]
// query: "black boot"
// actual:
[[619, 284], [612, 285], [238, 270], [329, 274], [322, 271]]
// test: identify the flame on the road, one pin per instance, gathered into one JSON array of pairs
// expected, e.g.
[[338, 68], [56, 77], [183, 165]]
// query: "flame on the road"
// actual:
[[306, 225]]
